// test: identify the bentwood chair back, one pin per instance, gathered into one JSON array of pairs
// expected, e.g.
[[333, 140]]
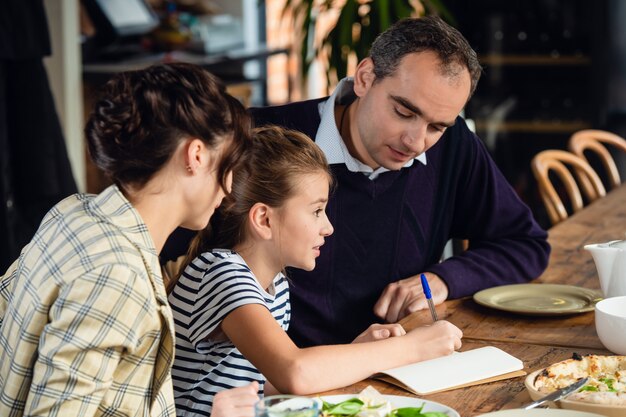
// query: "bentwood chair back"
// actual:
[[556, 162], [595, 141]]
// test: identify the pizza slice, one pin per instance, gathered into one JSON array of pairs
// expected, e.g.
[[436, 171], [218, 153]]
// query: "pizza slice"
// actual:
[[607, 378]]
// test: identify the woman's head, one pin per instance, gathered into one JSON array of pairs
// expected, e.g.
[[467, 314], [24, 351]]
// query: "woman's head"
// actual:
[[143, 116]]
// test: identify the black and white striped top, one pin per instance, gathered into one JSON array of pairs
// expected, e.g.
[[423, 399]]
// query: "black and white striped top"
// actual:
[[212, 286]]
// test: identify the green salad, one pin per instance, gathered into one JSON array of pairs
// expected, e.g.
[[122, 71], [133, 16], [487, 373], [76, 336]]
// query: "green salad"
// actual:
[[356, 407]]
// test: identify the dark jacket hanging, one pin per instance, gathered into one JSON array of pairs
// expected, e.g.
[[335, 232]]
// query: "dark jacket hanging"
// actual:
[[35, 172]]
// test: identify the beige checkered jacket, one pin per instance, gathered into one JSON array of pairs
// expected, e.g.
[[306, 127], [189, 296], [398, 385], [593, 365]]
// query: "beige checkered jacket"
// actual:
[[85, 327]]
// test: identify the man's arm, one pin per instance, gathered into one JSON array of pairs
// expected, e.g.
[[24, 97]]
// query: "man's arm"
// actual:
[[506, 245]]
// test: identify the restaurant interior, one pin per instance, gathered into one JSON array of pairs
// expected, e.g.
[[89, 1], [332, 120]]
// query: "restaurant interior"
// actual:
[[550, 68], [550, 109]]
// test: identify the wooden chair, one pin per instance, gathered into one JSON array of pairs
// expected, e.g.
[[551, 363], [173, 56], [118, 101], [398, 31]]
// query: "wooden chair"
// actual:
[[557, 162], [594, 140]]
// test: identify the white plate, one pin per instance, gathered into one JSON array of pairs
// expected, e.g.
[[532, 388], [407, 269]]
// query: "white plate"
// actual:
[[398, 401], [540, 412]]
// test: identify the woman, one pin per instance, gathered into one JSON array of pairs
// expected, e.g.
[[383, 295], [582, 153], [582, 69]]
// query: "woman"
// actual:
[[85, 325]]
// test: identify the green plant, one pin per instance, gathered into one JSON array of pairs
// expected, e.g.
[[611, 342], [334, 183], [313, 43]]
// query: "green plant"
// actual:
[[358, 24]]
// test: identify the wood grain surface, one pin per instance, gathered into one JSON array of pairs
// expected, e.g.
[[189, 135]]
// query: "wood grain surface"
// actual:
[[537, 341], [480, 399]]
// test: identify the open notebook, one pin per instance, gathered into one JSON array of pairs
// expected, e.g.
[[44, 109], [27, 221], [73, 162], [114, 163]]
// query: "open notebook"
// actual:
[[461, 369]]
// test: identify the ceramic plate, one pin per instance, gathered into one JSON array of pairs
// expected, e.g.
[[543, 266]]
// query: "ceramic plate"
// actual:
[[539, 412], [398, 401], [539, 299]]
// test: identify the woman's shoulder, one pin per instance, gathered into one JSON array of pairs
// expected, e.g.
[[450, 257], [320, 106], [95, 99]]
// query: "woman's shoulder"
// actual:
[[69, 206], [72, 241]]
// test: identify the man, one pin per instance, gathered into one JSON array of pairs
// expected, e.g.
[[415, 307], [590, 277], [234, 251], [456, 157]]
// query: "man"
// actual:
[[410, 176]]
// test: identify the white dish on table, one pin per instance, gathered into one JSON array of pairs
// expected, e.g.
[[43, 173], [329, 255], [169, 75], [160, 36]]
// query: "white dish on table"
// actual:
[[540, 412], [611, 324], [399, 401]]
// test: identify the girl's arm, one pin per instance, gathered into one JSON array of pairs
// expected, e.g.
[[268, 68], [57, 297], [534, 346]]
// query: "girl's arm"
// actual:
[[290, 369]]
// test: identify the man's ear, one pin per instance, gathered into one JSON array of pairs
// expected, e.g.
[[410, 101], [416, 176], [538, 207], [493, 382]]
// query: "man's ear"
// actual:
[[259, 218], [364, 77]]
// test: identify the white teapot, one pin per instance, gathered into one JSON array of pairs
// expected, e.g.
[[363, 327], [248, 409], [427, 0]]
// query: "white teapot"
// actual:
[[610, 259]]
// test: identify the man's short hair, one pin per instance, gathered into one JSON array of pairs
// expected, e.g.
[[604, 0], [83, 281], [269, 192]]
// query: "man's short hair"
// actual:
[[428, 33]]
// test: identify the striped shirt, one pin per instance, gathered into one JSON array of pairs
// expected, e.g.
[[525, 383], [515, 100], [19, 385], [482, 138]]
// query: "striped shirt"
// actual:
[[85, 328], [211, 287]]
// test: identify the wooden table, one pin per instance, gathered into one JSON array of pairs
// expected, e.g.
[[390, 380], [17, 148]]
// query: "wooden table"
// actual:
[[537, 341]]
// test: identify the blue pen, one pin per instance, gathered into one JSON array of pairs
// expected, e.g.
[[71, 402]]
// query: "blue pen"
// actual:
[[429, 297]]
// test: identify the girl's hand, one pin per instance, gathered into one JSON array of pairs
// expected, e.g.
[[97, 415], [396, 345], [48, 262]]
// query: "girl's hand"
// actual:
[[439, 339], [379, 332], [236, 402]]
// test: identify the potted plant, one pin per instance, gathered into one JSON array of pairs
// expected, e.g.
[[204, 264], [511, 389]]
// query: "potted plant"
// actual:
[[349, 37]]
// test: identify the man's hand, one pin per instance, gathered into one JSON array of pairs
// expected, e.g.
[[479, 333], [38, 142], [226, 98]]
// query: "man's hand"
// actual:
[[401, 298], [380, 331]]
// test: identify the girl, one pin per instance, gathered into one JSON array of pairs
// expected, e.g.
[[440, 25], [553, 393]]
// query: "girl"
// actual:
[[85, 327], [231, 304]]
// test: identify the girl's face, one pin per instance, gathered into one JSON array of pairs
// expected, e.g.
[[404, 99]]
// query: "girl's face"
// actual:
[[303, 224]]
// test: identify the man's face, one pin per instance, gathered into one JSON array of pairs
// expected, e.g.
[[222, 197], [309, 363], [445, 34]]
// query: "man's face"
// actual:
[[405, 114]]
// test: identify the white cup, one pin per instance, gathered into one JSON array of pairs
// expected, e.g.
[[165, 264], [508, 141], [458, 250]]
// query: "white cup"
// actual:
[[286, 406], [611, 323]]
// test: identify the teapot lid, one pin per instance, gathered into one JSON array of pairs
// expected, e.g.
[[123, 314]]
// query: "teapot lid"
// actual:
[[619, 244]]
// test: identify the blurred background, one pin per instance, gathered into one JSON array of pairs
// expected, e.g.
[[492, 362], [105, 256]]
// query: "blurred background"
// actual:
[[551, 67]]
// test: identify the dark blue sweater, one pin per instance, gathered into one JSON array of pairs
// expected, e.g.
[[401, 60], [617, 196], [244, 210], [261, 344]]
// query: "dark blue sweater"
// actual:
[[396, 226]]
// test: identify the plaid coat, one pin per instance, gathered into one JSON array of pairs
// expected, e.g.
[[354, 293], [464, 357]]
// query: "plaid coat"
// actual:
[[85, 326]]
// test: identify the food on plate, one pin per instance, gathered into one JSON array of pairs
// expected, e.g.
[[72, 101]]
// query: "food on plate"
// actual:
[[370, 403], [607, 378]]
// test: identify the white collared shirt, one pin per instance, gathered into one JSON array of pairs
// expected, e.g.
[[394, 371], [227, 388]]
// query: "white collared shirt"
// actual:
[[330, 141]]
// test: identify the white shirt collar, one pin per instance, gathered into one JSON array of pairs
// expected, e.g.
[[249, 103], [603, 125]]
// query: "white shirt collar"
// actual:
[[330, 141]]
